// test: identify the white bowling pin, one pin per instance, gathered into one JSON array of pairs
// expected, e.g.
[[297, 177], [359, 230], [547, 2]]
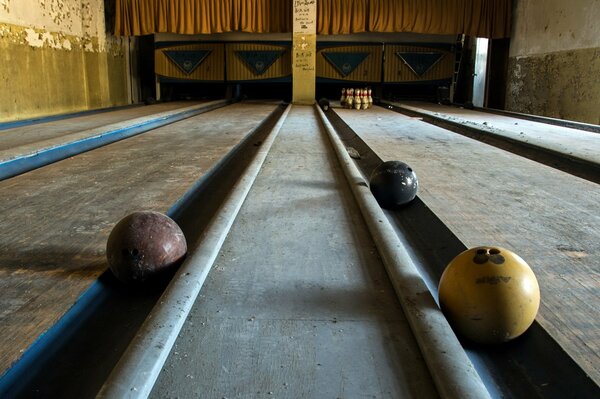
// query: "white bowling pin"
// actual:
[[357, 99], [349, 98]]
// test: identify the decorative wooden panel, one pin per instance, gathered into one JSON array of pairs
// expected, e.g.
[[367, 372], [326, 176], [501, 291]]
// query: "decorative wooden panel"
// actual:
[[360, 63], [197, 61], [258, 61], [406, 63]]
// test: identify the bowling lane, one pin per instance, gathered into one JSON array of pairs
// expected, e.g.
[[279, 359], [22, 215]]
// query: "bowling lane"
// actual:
[[55, 220], [489, 196], [26, 135], [572, 142], [298, 303]]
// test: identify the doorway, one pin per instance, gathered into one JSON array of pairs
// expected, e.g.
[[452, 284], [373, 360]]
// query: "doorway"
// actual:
[[479, 72]]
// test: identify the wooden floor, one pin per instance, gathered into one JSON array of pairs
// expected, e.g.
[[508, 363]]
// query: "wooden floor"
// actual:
[[55, 220], [576, 143], [298, 304], [299, 271], [30, 136], [488, 196]]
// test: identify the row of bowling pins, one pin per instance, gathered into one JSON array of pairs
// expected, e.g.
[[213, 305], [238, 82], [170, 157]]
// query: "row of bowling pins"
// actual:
[[356, 98]]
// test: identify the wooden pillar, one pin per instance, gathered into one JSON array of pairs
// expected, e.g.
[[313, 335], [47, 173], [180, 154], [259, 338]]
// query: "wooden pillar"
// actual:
[[304, 45]]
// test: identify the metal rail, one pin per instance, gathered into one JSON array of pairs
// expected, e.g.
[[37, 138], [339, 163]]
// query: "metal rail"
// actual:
[[99, 137], [135, 374], [452, 371], [534, 365]]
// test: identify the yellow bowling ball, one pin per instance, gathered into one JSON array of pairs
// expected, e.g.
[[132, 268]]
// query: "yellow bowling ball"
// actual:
[[489, 295]]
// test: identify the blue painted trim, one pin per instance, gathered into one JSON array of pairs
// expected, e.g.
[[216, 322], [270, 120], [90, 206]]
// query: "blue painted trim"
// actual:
[[26, 163], [13, 379], [27, 122]]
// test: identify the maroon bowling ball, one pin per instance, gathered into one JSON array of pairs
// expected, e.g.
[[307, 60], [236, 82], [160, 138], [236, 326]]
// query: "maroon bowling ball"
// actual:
[[144, 246], [393, 184]]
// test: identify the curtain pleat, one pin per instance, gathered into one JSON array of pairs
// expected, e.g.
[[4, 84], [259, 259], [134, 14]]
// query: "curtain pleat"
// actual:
[[342, 16], [481, 18]]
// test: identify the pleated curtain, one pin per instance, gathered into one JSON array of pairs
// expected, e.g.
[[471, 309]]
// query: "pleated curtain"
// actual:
[[480, 18]]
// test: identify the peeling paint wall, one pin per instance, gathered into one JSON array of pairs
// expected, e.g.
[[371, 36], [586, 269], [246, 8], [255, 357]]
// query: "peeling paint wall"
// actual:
[[554, 60], [55, 58]]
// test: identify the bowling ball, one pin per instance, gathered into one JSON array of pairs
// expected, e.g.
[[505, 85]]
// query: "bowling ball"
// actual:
[[489, 295], [144, 246], [324, 104], [393, 183]]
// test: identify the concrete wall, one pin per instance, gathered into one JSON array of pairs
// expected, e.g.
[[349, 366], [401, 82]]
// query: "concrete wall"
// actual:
[[554, 60], [55, 58]]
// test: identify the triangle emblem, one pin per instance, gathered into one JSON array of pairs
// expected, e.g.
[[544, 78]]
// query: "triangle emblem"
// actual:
[[259, 60], [345, 63], [420, 63], [187, 60]]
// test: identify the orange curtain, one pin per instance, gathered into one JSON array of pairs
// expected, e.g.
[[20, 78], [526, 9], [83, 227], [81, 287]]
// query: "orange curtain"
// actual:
[[342, 16], [481, 18], [142, 17]]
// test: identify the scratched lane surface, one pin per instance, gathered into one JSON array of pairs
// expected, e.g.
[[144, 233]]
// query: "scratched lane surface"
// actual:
[[488, 196], [25, 135], [298, 304], [573, 142], [55, 220]]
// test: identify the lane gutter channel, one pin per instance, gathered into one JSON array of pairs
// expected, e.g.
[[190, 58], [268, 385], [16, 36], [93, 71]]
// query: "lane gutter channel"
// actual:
[[92, 335], [575, 166], [534, 365]]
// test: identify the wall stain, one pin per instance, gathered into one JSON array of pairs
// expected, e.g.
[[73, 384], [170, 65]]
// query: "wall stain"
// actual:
[[39, 38], [54, 71], [563, 84]]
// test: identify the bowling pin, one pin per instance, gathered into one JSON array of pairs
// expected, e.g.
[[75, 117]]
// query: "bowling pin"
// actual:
[[357, 99], [369, 98], [349, 98], [364, 100], [343, 97]]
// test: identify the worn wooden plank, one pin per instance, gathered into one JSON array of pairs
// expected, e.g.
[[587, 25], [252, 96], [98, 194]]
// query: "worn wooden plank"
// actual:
[[571, 142], [298, 303], [487, 196], [55, 220], [30, 134]]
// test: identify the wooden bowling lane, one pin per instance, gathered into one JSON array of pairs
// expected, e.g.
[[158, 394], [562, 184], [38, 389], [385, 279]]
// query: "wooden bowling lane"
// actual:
[[569, 141], [487, 196], [37, 132], [298, 303], [55, 220]]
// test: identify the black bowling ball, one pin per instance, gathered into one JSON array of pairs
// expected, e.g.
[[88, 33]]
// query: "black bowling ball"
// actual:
[[393, 183], [324, 104]]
